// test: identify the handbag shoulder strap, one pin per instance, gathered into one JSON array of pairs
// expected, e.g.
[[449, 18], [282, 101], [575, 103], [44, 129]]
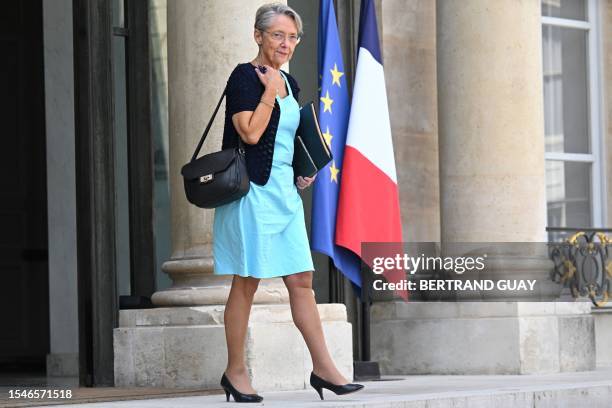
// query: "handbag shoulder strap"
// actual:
[[210, 122]]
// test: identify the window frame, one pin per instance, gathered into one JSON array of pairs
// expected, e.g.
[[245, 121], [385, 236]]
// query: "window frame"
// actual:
[[592, 27]]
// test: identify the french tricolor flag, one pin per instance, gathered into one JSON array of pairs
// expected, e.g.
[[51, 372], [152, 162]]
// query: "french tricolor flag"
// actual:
[[368, 208]]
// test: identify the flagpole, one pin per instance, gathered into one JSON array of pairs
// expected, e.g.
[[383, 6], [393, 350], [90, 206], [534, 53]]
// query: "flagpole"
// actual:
[[365, 369], [365, 330], [336, 287]]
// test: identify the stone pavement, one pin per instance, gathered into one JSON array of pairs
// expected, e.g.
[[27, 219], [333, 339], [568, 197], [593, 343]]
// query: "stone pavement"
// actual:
[[565, 390]]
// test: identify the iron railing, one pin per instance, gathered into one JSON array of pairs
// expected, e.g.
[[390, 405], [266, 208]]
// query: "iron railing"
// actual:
[[582, 261]]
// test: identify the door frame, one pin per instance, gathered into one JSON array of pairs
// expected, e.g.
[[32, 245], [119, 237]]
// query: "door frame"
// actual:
[[98, 301]]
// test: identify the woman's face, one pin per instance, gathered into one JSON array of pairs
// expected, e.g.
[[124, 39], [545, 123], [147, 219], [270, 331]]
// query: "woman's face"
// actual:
[[278, 41]]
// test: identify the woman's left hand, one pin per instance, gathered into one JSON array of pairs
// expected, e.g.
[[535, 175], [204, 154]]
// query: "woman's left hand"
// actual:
[[303, 182]]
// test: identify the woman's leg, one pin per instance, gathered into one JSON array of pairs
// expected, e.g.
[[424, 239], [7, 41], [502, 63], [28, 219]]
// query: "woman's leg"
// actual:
[[306, 317], [236, 319]]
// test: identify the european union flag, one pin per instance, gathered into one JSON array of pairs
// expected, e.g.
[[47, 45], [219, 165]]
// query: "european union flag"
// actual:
[[334, 111]]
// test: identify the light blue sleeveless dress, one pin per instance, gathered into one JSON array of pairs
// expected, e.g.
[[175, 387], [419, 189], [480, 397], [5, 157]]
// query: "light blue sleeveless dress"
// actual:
[[263, 234]]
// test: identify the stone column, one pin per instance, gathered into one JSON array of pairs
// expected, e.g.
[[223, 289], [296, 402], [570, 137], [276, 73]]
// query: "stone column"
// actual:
[[409, 56], [206, 39], [491, 135], [492, 189], [491, 124]]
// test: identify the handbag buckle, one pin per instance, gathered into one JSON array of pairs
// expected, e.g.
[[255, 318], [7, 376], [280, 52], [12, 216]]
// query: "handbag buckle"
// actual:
[[205, 179]]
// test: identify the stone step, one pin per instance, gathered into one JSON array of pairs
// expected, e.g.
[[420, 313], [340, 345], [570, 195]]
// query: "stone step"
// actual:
[[565, 390]]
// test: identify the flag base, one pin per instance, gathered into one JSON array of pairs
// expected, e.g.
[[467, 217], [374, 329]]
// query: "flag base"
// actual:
[[366, 370]]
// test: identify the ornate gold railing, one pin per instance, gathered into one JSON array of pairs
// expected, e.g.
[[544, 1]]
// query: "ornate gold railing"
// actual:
[[583, 262]]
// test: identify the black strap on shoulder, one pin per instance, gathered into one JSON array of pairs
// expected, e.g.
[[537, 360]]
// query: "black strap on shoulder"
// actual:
[[210, 122]]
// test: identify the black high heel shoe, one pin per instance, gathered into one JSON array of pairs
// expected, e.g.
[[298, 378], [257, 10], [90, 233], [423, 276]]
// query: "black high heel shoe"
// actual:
[[238, 396], [318, 384]]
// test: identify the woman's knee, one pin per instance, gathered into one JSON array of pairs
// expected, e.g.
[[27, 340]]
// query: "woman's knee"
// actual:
[[246, 285], [296, 281]]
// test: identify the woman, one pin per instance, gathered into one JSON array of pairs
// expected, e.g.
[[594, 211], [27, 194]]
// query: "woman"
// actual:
[[263, 234]]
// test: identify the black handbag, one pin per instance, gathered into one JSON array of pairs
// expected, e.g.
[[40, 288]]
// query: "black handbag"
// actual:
[[216, 178]]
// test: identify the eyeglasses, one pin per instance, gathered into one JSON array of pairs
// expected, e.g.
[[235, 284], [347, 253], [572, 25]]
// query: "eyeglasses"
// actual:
[[280, 37]]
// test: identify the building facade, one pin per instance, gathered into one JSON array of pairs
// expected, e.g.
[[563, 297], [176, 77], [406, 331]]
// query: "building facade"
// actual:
[[502, 127]]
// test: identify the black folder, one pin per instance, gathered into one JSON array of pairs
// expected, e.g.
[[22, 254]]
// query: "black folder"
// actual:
[[311, 153]]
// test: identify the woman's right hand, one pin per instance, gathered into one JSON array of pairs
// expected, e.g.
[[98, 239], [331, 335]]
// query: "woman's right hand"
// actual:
[[271, 79], [250, 125]]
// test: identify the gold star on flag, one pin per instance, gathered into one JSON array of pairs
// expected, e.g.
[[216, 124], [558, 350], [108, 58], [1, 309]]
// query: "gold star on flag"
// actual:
[[328, 137], [336, 75], [327, 101], [334, 172]]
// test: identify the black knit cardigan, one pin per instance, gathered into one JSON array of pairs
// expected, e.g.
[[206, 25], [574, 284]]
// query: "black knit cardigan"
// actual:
[[243, 93]]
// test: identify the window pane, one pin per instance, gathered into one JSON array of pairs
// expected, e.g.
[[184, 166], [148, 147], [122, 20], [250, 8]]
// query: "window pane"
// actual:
[[572, 9], [118, 13], [568, 193], [566, 109]]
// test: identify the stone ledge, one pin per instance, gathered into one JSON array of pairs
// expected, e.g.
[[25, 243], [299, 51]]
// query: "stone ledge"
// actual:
[[482, 338], [396, 310], [211, 315], [185, 347]]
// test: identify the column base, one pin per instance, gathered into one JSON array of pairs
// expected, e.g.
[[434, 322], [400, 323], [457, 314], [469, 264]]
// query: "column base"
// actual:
[[482, 338], [193, 284], [184, 347], [216, 292]]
